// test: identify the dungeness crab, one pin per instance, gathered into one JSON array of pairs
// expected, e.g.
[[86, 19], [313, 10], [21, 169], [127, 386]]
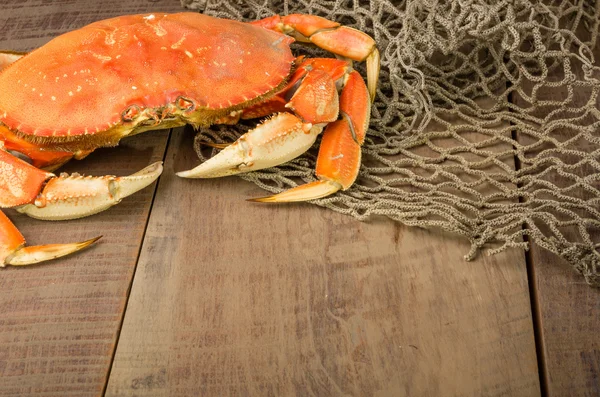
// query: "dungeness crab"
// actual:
[[91, 87]]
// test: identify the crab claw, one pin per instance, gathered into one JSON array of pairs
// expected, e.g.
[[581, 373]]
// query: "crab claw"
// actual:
[[75, 196], [276, 141]]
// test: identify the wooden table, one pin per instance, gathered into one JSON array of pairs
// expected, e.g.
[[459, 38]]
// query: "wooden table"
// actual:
[[194, 291]]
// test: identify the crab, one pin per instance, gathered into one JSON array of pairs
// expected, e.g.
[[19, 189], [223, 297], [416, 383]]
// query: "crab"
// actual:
[[92, 87]]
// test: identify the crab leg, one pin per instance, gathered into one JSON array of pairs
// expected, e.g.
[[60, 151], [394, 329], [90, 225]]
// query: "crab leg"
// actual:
[[13, 250], [335, 68], [331, 36], [43, 195], [36, 156], [339, 156]]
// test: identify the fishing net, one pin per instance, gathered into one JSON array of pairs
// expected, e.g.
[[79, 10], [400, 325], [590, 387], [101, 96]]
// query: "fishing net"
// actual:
[[485, 124]]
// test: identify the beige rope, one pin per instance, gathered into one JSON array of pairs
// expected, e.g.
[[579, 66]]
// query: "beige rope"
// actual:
[[466, 88]]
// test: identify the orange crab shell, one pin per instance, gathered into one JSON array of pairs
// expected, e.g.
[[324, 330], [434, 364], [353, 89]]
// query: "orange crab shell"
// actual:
[[82, 82]]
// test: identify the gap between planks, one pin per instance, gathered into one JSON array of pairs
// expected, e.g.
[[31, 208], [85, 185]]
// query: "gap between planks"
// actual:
[[137, 260], [536, 319]]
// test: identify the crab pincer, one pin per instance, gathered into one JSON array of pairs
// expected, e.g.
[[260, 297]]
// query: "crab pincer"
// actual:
[[43, 195], [75, 196]]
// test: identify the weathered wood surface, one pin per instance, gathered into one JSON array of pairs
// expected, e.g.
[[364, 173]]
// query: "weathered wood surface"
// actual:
[[59, 323], [570, 327], [568, 310], [238, 298]]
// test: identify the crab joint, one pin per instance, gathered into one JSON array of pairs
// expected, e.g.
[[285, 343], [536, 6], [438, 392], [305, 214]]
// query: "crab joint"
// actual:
[[75, 196]]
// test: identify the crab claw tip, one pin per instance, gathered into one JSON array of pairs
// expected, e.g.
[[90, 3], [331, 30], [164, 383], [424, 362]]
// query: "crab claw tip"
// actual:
[[373, 67], [216, 145], [227, 162], [128, 185], [36, 254], [310, 191]]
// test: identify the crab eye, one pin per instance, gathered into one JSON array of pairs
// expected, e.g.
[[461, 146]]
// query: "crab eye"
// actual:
[[184, 104], [130, 113]]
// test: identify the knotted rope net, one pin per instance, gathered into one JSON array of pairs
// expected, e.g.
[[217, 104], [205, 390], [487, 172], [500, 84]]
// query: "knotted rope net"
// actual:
[[486, 122]]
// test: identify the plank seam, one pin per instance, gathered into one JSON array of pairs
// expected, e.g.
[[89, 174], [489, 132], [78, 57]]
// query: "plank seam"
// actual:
[[538, 330], [536, 318], [137, 260]]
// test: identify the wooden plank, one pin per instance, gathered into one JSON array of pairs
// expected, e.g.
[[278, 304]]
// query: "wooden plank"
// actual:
[[569, 326], [59, 322], [28, 25], [238, 298], [567, 308]]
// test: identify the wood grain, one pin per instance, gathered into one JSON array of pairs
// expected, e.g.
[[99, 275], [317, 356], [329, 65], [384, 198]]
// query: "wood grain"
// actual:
[[59, 322], [238, 298], [568, 310]]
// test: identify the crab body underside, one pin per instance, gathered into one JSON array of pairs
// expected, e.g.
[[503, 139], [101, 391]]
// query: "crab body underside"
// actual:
[[91, 87]]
